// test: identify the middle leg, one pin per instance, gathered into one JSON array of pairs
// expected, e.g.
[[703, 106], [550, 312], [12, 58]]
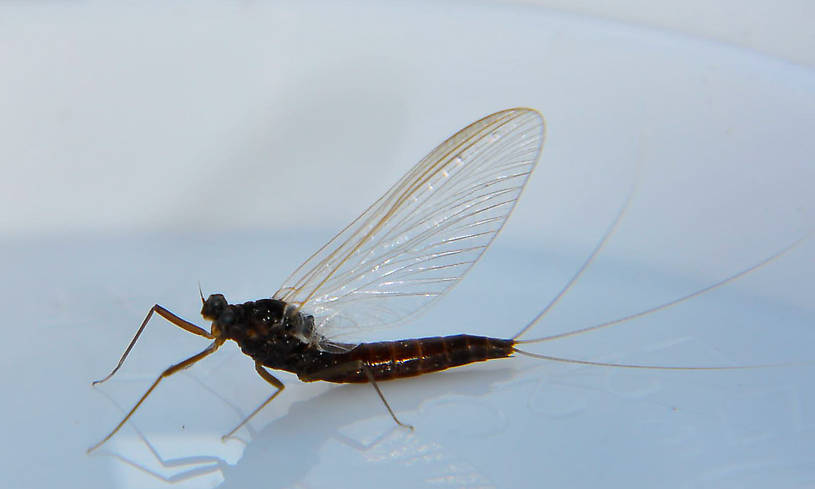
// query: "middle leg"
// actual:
[[268, 378]]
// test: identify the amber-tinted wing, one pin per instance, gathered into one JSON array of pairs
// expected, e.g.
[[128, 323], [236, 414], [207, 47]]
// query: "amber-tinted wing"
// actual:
[[419, 239]]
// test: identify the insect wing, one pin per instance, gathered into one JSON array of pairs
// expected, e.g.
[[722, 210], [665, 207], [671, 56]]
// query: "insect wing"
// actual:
[[419, 239]]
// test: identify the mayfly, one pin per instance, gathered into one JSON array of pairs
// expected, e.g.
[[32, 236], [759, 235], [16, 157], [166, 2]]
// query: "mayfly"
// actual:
[[403, 253]]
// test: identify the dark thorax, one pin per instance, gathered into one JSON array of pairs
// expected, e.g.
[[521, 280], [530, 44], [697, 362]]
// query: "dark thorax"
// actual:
[[269, 330]]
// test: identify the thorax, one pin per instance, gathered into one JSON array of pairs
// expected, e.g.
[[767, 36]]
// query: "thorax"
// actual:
[[270, 331]]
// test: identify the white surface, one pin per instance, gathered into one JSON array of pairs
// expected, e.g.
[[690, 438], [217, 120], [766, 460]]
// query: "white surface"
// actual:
[[146, 149], [780, 29]]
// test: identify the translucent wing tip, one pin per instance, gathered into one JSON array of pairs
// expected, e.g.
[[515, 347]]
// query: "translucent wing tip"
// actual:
[[526, 112], [527, 115]]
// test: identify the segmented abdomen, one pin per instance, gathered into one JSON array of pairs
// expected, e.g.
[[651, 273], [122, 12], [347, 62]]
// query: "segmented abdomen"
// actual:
[[407, 358]]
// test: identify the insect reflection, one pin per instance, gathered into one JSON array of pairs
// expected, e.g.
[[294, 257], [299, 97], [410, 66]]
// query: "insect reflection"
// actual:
[[403, 253]]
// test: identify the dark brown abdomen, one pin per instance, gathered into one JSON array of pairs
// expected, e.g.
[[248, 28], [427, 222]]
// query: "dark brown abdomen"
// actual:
[[407, 358]]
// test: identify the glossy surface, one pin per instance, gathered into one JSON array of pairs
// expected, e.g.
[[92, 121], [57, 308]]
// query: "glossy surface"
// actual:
[[137, 165]]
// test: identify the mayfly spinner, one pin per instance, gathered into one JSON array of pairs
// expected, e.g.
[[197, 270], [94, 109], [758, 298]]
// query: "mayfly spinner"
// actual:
[[403, 253]]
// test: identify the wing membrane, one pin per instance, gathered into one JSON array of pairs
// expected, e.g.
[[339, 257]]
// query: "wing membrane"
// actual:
[[419, 239]]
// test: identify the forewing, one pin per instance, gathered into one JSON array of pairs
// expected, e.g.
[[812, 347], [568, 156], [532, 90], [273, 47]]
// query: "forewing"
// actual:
[[419, 239]]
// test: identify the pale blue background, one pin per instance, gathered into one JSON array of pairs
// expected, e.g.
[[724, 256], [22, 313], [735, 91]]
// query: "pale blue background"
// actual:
[[145, 149]]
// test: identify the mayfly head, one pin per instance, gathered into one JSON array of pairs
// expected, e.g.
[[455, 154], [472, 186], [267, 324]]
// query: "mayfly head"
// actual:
[[216, 309]]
